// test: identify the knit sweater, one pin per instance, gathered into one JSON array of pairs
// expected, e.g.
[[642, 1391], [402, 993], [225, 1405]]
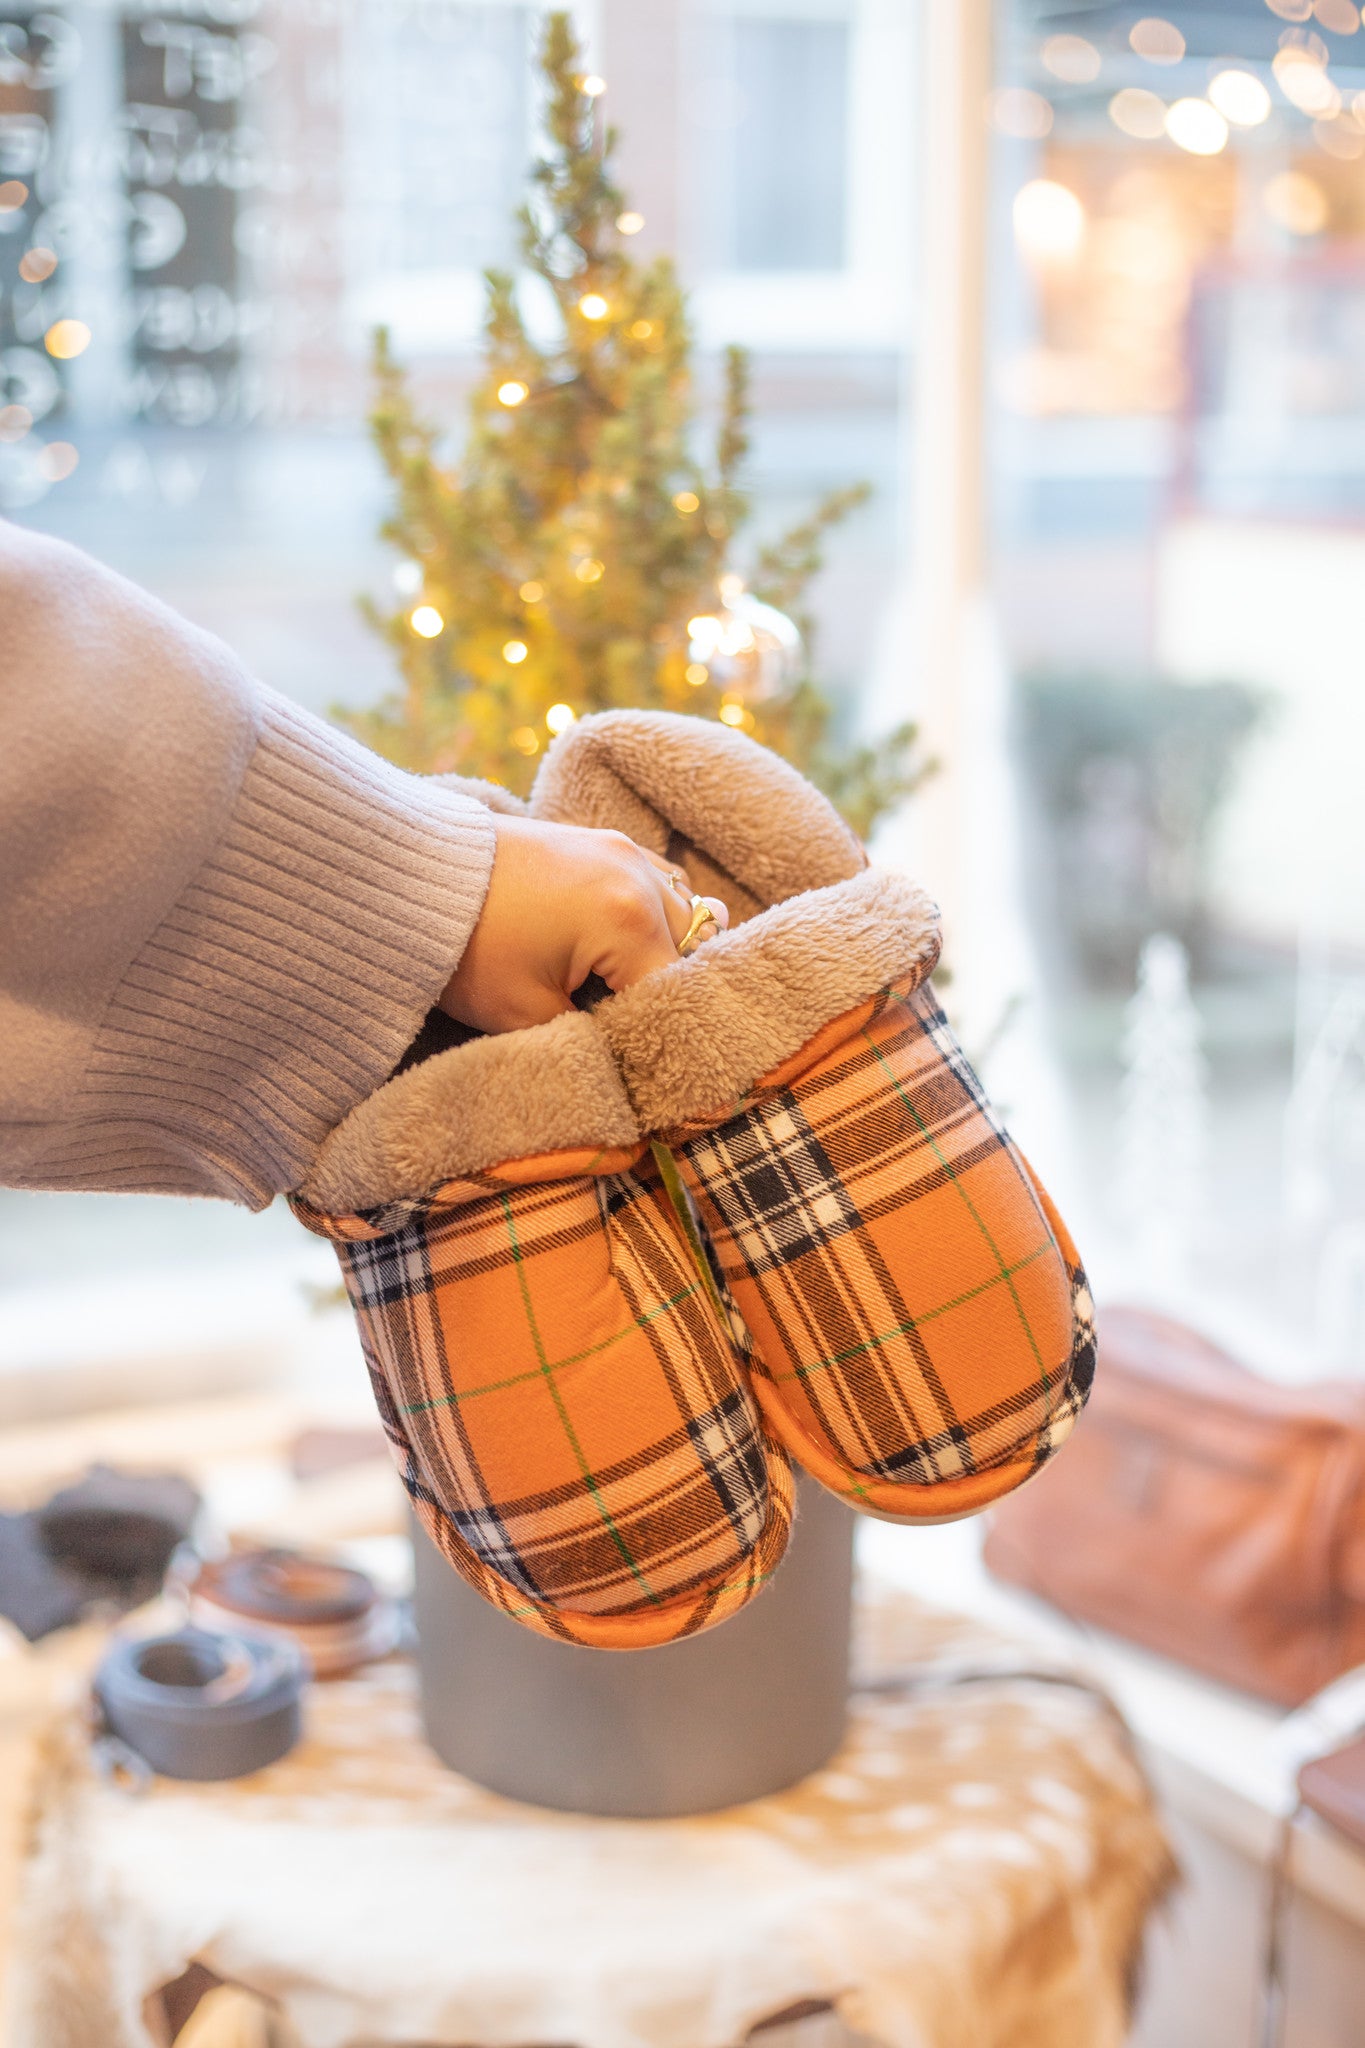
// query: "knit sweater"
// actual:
[[221, 922]]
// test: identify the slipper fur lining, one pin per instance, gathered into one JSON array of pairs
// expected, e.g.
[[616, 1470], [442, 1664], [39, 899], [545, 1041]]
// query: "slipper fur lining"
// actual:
[[693, 1039], [553, 1088], [659, 777], [687, 1041]]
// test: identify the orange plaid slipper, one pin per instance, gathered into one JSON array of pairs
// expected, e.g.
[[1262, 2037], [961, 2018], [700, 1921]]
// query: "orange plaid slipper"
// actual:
[[562, 1398], [922, 1330]]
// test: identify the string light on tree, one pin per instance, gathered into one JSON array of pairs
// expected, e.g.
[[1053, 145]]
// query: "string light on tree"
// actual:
[[594, 86], [594, 519]]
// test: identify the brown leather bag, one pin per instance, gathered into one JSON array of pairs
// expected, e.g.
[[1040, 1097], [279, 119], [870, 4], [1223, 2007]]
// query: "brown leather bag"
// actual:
[[1209, 1514], [1334, 1787]]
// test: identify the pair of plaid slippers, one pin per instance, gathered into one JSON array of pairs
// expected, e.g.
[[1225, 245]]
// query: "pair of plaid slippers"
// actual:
[[594, 1403]]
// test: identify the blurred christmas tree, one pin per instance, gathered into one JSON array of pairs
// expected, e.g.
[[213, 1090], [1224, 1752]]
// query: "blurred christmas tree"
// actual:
[[579, 556]]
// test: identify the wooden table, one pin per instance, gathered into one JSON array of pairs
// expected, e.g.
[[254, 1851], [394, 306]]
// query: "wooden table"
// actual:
[[973, 1870]]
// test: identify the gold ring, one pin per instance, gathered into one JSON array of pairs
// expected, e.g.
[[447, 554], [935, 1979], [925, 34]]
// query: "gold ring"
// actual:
[[696, 933]]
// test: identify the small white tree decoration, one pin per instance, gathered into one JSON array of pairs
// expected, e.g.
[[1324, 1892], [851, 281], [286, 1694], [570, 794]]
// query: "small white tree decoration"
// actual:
[[1163, 1120]]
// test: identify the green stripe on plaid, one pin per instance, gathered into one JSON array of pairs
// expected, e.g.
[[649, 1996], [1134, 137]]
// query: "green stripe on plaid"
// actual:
[[613, 1535], [811, 1194]]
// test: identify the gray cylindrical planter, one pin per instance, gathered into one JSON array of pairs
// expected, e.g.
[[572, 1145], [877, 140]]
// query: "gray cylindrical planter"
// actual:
[[746, 1709]]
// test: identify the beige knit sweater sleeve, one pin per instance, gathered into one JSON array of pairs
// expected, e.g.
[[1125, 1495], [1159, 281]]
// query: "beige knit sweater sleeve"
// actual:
[[221, 922]]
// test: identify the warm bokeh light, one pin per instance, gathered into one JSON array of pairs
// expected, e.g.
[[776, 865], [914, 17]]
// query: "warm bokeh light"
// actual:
[[1300, 69], [515, 652], [427, 622], [1049, 221], [593, 306], [641, 330], [57, 461], [589, 571], [13, 193], [1240, 97], [1138, 113], [731, 587], [733, 714], [705, 630], [1343, 138], [532, 592], [1071, 58], [1016, 111], [697, 672], [629, 222], [513, 392], [687, 501], [67, 338], [1291, 10], [1342, 17], [1159, 41], [594, 85], [1197, 127], [526, 739], [407, 578], [560, 717], [15, 421], [37, 265], [1296, 202]]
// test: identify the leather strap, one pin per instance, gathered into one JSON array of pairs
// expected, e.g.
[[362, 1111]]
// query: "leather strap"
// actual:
[[334, 1615], [194, 1705]]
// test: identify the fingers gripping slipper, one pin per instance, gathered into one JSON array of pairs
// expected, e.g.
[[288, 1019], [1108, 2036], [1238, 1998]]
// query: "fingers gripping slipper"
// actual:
[[561, 1395], [922, 1328]]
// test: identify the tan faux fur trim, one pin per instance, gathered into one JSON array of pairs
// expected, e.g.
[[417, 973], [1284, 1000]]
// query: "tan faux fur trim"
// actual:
[[491, 794], [686, 1042], [667, 780], [692, 1039], [552, 1088]]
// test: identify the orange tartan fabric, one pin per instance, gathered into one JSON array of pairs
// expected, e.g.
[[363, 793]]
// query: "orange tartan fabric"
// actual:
[[923, 1329], [563, 1402]]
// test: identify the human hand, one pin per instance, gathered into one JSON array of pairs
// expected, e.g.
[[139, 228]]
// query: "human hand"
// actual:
[[564, 902]]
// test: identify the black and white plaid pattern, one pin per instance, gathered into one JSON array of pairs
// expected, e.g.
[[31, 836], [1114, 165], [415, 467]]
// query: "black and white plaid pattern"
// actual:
[[773, 1182]]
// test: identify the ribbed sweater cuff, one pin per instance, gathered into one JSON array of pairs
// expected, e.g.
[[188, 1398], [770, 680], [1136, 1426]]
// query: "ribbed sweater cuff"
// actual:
[[287, 981]]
